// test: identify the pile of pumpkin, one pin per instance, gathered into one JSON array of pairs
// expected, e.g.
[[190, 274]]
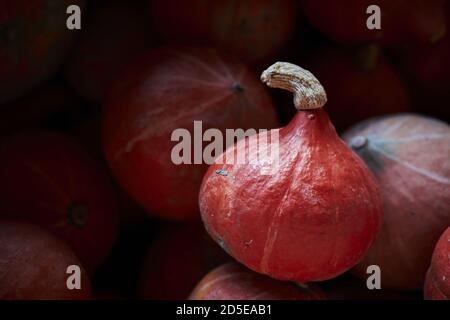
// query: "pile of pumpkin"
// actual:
[[87, 179]]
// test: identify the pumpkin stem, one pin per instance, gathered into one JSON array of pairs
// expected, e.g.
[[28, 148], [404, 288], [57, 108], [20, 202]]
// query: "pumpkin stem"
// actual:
[[307, 90], [367, 57], [77, 215], [358, 142]]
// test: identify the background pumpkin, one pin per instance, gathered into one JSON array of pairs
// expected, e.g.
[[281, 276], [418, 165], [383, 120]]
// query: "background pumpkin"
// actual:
[[427, 68], [233, 281], [402, 21], [34, 265], [254, 30], [48, 107], [437, 283], [48, 179], [34, 40], [115, 33], [167, 89], [360, 83], [175, 262], [409, 156]]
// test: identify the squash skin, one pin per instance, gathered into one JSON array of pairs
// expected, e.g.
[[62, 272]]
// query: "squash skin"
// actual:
[[437, 282], [34, 265], [414, 181], [311, 220], [233, 281]]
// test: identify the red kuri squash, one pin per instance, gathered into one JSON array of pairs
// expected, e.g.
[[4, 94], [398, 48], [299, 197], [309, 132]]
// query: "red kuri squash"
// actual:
[[309, 213], [34, 40], [233, 281], [167, 89], [428, 69], [34, 265], [177, 260], [47, 179], [254, 30], [437, 282]]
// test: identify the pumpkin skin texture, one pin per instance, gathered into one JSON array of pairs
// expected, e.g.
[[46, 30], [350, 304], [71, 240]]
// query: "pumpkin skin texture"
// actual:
[[170, 88], [188, 246], [360, 84], [34, 265], [34, 40], [409, 156], [116, 32], [311, 218], [233, 281], [47, 179], [254, 30], [437, 282], [402, 21]]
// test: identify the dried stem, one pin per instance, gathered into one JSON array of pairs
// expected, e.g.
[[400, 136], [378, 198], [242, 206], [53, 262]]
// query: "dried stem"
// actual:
[[307, 90]]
